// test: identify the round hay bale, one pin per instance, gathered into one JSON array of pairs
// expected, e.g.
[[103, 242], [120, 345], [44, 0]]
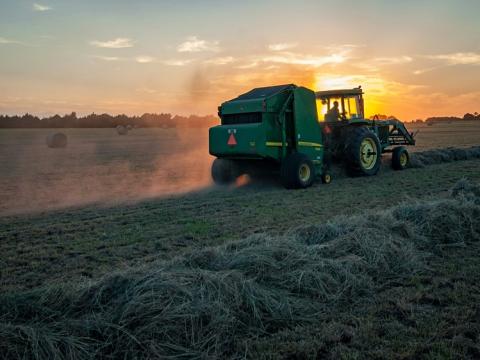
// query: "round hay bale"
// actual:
[[57, 140], [122, 130], [129, 127]]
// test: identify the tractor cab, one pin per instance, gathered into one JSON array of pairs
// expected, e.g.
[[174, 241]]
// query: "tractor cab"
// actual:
[[340, 105]]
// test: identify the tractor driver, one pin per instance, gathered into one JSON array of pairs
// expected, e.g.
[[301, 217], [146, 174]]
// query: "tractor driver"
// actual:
[[334, 113]]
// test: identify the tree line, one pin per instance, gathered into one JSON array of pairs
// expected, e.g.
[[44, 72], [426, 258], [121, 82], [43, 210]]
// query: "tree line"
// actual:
[[435, 119], [466, 117], [162, 120], [107, 121]]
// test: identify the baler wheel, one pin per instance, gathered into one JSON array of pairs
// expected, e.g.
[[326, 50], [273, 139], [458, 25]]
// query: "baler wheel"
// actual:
[[224, 171], [326, 178], [297, 171], [363, 152], [400, 158]]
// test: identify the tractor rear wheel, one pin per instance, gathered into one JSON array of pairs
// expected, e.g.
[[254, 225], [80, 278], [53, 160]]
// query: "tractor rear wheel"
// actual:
[[363, 152], [400, 158], [297, 171], [224, 171]]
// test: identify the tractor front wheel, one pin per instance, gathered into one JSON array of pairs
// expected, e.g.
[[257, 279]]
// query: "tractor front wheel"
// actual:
[[297, 171], [363, 152], [400, 158], [224, 171]]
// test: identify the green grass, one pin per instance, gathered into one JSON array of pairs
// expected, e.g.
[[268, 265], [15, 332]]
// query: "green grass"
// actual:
[[379, 284], [92, 241]]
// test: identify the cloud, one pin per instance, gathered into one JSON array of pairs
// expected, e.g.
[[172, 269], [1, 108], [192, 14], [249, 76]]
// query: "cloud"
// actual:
[[143, 59], [40, 7], [336, 54], [220, 60], [146, 90], [460, 58], [306, 60], [375, 64], [250, 65], [118, 43], [106, 58], [393, 60], [194, 44], [374, 85], [282, 46], [5, 41], [174, 62]]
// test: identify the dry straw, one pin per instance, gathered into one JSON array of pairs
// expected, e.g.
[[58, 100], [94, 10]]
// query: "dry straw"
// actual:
[[211, 303], [437, 156]]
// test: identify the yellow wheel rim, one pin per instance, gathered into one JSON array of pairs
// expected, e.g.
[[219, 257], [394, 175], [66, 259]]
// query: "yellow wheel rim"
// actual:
[[327, 179], [304, 172], [368, 153], [403, 159]]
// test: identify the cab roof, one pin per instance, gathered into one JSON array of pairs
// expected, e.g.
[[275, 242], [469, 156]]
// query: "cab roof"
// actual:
[[341, 92]]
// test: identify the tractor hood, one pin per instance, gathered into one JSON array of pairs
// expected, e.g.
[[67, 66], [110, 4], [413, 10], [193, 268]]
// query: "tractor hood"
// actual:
[[264, 99]]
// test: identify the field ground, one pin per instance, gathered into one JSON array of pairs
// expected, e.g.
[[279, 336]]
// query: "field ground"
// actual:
[[433, 315], [92, 241], [99, 166]]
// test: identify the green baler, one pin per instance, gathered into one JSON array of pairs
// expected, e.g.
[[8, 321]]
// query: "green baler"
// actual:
[[278, 128], [266, 128]]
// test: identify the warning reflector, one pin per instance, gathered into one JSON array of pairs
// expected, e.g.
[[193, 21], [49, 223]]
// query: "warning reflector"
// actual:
[[231, 140]]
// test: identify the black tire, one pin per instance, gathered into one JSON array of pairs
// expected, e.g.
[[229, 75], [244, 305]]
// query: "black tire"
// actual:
[[326, 178], [400, 158], [297, 171], [224, 171], [360, 163]]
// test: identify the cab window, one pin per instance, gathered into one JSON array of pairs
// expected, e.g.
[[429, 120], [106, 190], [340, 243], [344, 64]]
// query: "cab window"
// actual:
[[351, 108], [324, 106]]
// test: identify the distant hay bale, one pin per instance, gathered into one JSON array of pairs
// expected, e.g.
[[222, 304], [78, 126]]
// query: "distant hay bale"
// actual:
[[57, 140], [129, 127], [122, 130]]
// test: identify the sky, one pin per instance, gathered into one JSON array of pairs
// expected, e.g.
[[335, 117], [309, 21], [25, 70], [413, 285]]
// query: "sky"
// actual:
[[413, 58]]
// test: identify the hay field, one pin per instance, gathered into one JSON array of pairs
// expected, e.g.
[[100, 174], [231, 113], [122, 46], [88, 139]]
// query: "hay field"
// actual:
[[380, 267], [99, 166], [442, 135]]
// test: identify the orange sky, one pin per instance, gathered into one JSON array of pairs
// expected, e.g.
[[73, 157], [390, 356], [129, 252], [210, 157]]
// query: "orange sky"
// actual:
[[414, 59]]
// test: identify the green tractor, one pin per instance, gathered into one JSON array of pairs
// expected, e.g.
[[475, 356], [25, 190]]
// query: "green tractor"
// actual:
[[279, 128]]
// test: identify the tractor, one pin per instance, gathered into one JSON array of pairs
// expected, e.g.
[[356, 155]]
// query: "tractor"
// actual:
[[296, 132]]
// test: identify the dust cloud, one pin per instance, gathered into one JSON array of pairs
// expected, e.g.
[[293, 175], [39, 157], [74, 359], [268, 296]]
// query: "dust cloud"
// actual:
[[99, 167]]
